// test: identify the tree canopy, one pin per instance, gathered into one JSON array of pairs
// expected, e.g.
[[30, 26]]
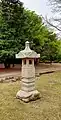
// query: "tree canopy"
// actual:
[[17, 25], [56, 19]]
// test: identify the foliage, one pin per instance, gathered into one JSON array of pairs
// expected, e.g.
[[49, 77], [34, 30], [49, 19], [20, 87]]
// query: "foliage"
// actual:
[[50, 48], [59, 51], [18, 25], [12, 15]]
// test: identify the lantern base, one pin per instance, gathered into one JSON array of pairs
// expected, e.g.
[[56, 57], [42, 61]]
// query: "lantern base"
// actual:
[[28, 96]]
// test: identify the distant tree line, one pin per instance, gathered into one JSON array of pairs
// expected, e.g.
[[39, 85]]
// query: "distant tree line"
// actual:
[[18, 25]]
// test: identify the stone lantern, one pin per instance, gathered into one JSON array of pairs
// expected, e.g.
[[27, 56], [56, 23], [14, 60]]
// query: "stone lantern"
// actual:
[[28, 91]]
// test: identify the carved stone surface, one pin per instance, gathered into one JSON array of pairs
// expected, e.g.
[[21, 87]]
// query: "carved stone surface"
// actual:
[[28, 96], [10, 79], [27, 52], [28, 91]]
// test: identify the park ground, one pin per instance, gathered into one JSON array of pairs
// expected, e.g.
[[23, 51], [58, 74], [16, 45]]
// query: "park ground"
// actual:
[[48, 107]]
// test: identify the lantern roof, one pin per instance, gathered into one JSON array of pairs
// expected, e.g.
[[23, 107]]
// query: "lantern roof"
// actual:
[[27, 52]]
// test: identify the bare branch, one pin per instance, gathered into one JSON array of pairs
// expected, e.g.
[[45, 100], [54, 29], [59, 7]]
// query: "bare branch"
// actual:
[[51, 24]]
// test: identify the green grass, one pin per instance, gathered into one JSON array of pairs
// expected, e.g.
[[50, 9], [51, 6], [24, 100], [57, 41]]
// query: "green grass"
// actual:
[[48, 107]]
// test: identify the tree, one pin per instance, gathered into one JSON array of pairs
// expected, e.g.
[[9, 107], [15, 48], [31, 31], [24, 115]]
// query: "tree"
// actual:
[[56, 4], [56, 20], [59, 51], [11, 19], [12, 15], [50, 47], [18, 25]]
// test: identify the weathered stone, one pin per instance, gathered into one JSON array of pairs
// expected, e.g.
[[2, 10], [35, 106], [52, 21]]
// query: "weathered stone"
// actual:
[[1, 80], [13, 80], [18, 78], [28, 92], [9, 79], [28, 96]]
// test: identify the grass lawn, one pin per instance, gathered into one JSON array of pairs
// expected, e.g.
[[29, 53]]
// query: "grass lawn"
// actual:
[[48, 107]]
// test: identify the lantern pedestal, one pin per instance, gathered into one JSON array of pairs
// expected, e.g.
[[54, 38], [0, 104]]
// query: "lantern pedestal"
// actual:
[[28, 96]]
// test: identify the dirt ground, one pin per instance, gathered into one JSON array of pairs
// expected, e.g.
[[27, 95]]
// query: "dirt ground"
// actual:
[[40, 69], [48, 107]]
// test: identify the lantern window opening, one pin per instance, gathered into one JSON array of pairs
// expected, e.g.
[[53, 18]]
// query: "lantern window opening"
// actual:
[[24, 62], [30, 62]]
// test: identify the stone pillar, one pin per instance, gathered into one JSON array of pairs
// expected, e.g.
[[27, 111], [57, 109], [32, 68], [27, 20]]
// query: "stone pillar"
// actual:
[[28, 91], [28, 75]]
